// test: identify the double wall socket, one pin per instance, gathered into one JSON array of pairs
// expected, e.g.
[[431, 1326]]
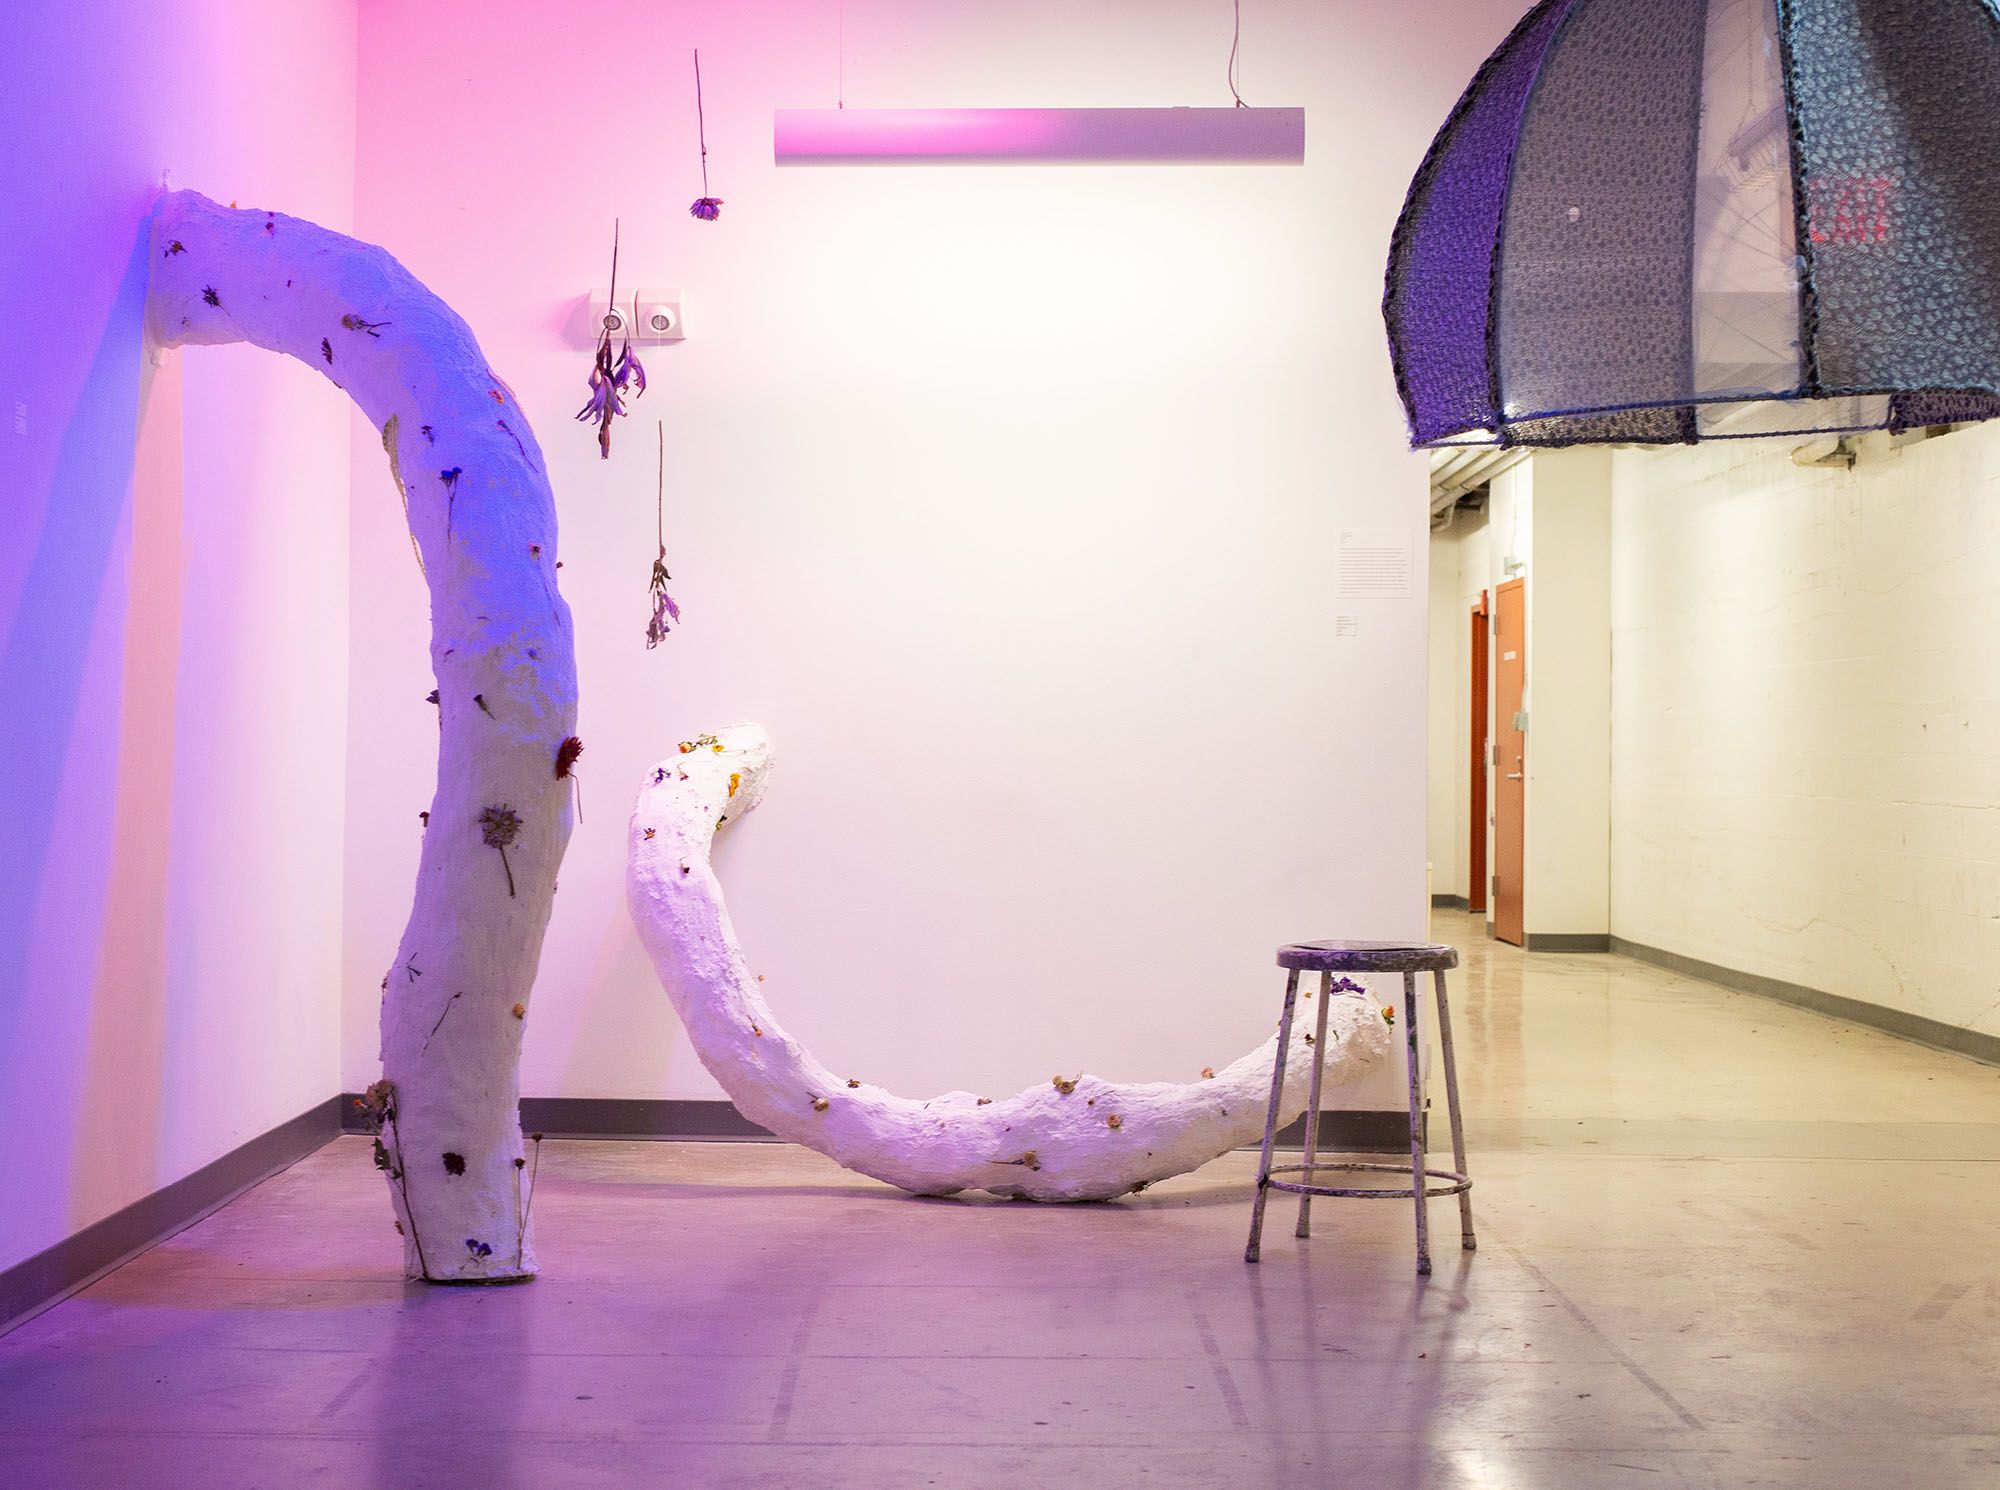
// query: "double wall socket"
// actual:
[[648, 316]]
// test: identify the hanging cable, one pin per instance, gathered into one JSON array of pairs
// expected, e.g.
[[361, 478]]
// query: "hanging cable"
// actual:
[[1236, 40]]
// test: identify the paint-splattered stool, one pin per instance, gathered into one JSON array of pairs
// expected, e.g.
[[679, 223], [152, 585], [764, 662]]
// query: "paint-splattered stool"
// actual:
[[1333, 960]]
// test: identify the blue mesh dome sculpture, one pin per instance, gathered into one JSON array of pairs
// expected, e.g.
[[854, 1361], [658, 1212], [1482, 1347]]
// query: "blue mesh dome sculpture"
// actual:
[[1661, 221]]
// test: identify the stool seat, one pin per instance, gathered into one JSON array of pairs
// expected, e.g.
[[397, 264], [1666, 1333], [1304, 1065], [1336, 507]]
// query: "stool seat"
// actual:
[[1366, 957]]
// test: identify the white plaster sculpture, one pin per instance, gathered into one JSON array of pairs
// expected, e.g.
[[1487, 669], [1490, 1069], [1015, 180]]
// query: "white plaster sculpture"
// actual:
[[480, 510], [1075, 1138]]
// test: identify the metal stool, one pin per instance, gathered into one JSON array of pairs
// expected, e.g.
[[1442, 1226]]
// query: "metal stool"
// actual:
[[1328, 959]]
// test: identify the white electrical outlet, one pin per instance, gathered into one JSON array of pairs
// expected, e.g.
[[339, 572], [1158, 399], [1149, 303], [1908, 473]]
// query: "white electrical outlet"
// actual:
[[660, 316], [599, 315]]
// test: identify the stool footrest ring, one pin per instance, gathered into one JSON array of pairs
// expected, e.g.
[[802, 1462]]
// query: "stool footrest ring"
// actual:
[[1458, 1183]]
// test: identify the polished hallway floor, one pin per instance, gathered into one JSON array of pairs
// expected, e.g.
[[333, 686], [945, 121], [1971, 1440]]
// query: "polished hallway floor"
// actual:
[[1723, 1243]]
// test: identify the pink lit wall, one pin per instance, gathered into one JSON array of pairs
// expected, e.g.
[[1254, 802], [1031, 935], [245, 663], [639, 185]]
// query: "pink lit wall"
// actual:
[[1008, 498], [173, 599]]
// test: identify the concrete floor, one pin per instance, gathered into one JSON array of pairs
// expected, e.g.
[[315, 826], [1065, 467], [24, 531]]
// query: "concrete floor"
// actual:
[[1723, 1244]]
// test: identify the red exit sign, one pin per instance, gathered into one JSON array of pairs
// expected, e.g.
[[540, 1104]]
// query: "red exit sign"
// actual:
[[1851, 211]]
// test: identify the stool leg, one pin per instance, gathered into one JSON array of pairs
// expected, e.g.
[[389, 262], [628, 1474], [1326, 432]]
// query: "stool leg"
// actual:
[[1271, 1116], [1469, 1241], [1416, 1122], [1312, 1102]]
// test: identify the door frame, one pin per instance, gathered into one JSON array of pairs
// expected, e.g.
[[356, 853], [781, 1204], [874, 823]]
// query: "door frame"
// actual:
[[1509, 912], [1482, 635]]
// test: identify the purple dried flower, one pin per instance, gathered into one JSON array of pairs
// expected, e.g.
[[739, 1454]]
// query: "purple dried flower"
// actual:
[[707, 209]]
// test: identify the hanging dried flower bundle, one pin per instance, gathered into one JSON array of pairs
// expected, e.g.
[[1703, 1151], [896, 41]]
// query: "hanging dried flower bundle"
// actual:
[[705, 208], [611, 377], [665, 613]]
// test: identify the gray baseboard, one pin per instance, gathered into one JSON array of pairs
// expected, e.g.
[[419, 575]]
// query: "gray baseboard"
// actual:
[[716, 1121], [49, 1277], [1932, 1032], [1567, 941], [1442, 901]]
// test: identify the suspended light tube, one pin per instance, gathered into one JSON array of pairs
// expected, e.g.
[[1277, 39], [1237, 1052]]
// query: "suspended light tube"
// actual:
[[1045, 136]]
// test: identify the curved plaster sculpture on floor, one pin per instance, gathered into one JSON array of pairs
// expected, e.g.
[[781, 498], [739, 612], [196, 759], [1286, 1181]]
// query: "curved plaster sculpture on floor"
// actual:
[[483, 517], [1072, 1139]]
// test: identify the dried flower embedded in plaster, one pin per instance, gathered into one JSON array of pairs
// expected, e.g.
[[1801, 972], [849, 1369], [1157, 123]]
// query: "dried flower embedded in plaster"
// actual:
[[354, 323], [853, 1084], [566, 754], [1114, 1121], [1208, 1073], [650, 832], [174, 246], [477, 1248], [984, 1102], [1388, 1013], [1064, 1084], [454, 1164], [820, 1104], [498, 827], [208, 294], [378, 1104], [520, 1011], [326, 350]]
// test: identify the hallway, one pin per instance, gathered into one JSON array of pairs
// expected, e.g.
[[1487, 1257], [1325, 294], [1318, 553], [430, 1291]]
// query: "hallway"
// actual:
[[1725, 1243]]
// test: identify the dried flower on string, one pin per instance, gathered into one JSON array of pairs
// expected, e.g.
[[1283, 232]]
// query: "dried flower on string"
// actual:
[[611, 377], [664, 609], [497, 827], [706, 208]]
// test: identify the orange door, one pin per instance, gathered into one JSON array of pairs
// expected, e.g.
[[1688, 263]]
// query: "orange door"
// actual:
[[1510, 785], [1482, 630]]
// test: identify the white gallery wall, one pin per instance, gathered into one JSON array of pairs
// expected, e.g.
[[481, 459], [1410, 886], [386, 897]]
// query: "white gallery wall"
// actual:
[[1008, 498], [1806, 723], [173, 614]]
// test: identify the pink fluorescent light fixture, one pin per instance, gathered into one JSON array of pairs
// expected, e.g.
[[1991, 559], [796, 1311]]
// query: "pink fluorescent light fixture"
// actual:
[[847, 137]]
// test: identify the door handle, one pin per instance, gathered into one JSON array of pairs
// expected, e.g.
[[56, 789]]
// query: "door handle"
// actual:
[[1513, 775]]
